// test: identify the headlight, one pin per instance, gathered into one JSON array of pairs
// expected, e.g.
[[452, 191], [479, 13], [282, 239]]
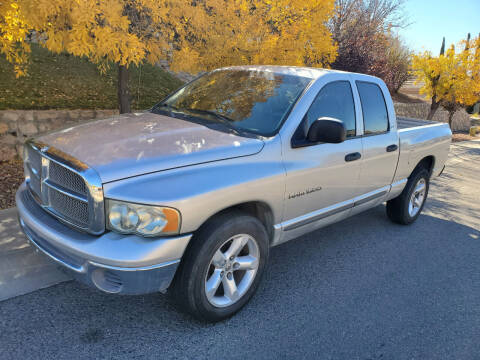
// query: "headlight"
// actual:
[[144, 220]]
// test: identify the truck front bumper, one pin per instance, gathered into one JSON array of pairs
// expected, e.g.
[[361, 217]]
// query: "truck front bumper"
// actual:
[[111, 262]]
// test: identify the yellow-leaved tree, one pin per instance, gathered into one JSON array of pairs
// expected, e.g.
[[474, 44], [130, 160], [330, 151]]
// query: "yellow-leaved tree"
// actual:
[[191, 35], [236, 32], [13, 31], [451, 80]]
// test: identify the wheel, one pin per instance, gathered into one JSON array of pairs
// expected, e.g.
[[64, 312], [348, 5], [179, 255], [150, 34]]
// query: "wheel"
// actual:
[[222, 268], [406, 208]]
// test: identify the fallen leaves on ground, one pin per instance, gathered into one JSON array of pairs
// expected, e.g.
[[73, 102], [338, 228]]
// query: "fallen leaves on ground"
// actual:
[[11, 176], [462, 137]]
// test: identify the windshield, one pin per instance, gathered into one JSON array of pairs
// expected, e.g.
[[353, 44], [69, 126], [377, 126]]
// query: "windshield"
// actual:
[[250, 101]]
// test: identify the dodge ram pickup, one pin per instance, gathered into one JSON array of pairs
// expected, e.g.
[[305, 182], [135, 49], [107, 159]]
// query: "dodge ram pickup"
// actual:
[[189, 196]]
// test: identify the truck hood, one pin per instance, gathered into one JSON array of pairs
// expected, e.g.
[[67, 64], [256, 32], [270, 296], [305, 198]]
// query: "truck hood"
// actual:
[[135, 144]]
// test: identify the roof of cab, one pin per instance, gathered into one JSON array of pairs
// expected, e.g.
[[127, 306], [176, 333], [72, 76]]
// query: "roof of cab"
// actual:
[[312, 73]]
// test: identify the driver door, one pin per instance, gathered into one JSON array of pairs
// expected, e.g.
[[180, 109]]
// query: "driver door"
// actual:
[[322, 178]]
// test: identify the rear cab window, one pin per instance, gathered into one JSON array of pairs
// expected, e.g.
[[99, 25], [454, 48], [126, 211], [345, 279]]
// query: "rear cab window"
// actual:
[[374, 108]]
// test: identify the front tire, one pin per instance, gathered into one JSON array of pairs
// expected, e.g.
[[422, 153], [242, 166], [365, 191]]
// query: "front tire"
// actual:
[[406, 207], [222, 268]]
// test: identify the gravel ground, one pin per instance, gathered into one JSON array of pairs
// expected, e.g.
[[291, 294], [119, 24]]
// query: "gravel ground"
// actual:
[[361, 289]]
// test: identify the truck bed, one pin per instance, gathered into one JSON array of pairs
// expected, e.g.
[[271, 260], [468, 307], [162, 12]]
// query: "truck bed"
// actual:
[[405, 123], [419, 139]]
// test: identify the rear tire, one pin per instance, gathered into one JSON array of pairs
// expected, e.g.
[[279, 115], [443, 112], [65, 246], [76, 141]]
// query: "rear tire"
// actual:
[[222, 268], [406, 207]]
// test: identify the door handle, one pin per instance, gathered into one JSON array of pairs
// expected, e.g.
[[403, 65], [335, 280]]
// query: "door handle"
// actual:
[[353, 156], [391, 148]]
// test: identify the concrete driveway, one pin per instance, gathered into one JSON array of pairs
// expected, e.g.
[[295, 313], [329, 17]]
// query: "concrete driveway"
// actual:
[[361, 289], [22, 269]]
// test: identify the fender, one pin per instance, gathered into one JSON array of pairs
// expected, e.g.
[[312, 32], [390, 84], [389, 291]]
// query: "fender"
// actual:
[[200, 191]]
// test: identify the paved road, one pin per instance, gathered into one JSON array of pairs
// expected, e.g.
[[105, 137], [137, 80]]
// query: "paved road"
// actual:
[[361, 289]]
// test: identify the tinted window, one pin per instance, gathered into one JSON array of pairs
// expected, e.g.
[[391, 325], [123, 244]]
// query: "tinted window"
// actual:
[[375, 116], [255, 101], [334, 100]]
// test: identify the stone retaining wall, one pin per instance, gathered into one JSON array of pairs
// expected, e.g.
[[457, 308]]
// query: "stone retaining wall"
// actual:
[[461, 119], [18, 125]]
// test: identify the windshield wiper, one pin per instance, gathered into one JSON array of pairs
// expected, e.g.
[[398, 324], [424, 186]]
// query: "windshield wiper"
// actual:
[[165, 105], [222, 118], [225, 120], [170, 109]]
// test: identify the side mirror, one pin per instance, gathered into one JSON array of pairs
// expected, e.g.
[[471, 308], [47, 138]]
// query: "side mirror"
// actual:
[[327, 130]]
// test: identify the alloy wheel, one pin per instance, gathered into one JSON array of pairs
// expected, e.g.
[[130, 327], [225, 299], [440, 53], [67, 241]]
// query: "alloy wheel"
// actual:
[[232, 270], [417, 198]]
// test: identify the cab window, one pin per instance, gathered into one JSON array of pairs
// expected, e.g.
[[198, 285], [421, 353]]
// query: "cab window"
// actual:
[[375, 115], [334, 100]]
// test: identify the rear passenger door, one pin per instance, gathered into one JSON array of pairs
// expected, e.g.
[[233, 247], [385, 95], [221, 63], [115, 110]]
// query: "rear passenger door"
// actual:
[[380, 139]]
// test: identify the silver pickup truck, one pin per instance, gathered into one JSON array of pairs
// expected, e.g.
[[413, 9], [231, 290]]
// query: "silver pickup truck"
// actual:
[[190, 195]]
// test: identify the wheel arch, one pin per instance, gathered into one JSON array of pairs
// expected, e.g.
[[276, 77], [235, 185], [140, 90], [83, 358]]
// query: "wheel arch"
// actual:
[[428, 162], [258, 209]]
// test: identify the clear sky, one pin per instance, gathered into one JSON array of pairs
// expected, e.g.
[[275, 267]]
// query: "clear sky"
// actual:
[[432, 19]]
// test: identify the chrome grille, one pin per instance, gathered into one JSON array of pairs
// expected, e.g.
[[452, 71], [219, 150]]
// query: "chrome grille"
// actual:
[[62, 176], [35, 185], [33, 169], [35, 160], [65, 187], [74, 210]]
